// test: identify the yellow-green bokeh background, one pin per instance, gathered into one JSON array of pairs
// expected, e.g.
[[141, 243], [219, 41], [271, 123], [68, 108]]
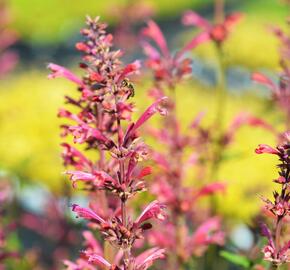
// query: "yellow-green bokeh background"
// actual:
[[29, 128]]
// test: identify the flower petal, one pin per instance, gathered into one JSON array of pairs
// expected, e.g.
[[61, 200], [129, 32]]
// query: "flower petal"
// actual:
[[262, 79], [80, 176], [59, 71], [154, 32], [266, 149], [87, 213], [154, 210], [198, 39], [192, 18], [150, 111], [146, 259]]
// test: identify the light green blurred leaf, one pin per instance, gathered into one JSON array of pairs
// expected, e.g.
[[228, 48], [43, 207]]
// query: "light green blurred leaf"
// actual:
[[236, 259]]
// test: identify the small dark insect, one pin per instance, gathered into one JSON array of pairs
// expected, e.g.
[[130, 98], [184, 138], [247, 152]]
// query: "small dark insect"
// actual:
[[125, 231], [130, 86]]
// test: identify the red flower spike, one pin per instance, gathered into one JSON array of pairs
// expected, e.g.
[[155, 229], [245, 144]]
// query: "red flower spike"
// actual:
[[115, 176]]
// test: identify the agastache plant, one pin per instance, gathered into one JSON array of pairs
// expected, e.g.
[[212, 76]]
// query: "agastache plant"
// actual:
[[174, 162], [102, 123], [277, 250], [190, 232]]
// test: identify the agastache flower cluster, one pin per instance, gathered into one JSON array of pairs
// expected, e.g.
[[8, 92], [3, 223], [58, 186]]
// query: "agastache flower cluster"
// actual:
[[174, 162], [277, 250], [168, 69], [103, 124]]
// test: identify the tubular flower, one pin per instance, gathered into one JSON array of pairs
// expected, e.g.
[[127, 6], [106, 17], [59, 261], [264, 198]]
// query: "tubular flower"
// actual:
[[167, 68], [216, 32], [103, 124]]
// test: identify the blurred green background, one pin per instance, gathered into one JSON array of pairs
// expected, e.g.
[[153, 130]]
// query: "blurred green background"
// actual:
[[29, 128]]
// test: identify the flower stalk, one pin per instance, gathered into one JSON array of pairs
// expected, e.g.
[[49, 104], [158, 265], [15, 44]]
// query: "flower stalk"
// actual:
[[103, 124]]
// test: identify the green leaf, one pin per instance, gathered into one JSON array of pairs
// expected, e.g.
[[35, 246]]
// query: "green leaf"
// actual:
[[236, 259]]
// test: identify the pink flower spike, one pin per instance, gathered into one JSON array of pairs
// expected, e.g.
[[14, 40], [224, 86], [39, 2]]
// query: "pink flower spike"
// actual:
[[59, 71], [192, 18], [262, 79], [266, 149], [87, 213], [153, 31], [154, 210], [146, 259]]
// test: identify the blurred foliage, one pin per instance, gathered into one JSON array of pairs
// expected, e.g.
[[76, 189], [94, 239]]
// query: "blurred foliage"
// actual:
[[29, 132], [61, 19], [29, 128], [251, 43], [29, 136]]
